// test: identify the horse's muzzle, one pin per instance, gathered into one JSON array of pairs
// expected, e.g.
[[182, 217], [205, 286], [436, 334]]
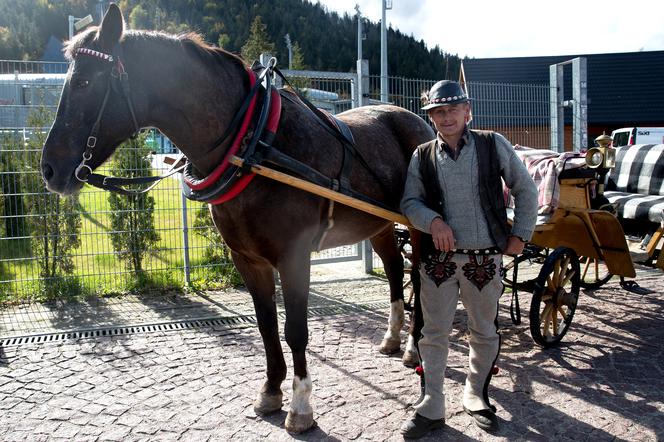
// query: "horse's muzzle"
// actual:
[[60, 180]]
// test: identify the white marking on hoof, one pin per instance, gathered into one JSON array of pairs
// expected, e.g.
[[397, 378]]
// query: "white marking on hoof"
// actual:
[[410, 356], [268, 403], [299, 423], [300, 416], [392, 341]]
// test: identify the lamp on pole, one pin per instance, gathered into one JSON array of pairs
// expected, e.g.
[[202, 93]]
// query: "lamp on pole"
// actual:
[[384, 91], [76, 23]]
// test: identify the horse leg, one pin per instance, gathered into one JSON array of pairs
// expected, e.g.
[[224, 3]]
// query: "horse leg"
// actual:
[[411, 356], [259, 279], [385, 245], [294, 275]]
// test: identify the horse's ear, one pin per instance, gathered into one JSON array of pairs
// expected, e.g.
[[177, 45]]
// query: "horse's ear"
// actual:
[[111, 27]]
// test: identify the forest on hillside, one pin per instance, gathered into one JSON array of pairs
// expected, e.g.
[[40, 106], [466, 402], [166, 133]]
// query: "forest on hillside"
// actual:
[[326, 40]]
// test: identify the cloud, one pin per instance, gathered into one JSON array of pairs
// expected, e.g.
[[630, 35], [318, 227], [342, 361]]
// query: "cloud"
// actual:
[[516, 28]]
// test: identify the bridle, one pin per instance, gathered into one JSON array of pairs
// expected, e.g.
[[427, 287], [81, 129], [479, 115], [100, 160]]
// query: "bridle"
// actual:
[[210, 189], [119, 79]]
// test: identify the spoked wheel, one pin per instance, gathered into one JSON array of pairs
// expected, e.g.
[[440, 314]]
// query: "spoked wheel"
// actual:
[[555, 297], [594, 273]]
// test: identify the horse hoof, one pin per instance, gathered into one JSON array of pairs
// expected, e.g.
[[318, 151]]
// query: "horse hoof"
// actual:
[[268, 403], [389, 346], [410, 359], [298, 423]]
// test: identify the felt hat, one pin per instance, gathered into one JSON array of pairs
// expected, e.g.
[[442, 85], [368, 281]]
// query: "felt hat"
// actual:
[[444, 93]]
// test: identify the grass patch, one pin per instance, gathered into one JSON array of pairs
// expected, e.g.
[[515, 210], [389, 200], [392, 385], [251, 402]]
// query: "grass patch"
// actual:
[[98, 271]]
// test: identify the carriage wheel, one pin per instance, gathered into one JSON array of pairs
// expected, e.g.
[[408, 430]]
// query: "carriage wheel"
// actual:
[[555, 297], [594, 273]]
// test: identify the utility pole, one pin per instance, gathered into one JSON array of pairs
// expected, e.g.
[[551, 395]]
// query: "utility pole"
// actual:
[[360, 37], [362, 88], [384, 91], [289, 45]]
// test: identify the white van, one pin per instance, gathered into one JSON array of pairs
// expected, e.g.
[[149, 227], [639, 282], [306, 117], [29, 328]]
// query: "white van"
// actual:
[[627, 136]]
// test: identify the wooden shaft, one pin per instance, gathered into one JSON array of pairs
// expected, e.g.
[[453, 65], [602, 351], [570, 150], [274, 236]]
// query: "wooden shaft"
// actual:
[[324, 192]]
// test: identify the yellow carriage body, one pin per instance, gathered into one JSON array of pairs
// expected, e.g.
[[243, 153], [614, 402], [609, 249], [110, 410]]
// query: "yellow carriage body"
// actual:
[[595, 234]]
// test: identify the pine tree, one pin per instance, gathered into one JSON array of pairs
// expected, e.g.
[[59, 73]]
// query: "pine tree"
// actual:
[[132, 217], [298, 57], [54, 222], [258, 41]]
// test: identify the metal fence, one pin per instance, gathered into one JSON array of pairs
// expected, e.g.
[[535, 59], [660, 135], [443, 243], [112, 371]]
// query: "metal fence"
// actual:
[[188, 248]]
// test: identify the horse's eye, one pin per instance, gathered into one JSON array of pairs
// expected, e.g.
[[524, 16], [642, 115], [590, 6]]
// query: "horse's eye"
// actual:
[[81, 83]]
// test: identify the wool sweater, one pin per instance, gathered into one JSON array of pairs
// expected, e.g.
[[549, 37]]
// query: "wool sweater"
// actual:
[[459, 183]]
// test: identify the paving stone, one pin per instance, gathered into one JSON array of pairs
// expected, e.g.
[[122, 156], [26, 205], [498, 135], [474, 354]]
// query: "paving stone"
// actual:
[[604, 382]]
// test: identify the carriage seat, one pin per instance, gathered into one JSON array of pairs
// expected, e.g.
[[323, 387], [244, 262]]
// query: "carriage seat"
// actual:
[[636, 185], [547, 168]]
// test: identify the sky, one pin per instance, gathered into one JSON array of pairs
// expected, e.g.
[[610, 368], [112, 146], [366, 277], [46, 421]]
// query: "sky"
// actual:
[[519, 28]]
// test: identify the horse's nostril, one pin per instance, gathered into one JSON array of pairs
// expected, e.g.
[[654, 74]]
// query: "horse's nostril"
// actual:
[[47, 171]]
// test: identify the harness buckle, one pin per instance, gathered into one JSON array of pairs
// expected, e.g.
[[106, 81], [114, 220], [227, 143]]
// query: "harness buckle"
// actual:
[[92, 142]]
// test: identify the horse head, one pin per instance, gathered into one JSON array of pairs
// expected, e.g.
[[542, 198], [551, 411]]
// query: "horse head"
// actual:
[[93, 115]]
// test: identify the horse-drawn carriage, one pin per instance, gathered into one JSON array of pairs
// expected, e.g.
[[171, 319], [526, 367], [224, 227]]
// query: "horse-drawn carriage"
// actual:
[[578, 240], [229, 121]]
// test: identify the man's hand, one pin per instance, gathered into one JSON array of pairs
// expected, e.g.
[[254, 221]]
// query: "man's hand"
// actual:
[[514, 246], [443, 237]]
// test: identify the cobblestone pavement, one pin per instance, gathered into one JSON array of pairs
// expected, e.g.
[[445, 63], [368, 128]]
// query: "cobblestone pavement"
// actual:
[[196, 378]]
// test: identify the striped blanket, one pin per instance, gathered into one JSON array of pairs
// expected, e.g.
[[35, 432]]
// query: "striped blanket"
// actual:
[[544, 167]]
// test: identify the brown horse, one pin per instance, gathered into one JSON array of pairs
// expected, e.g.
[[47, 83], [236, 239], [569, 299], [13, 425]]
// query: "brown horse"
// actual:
[[191, 91]]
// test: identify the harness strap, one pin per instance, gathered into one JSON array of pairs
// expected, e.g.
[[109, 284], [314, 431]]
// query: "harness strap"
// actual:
[[329, 223], [349, 143], [231, 180], [249, 104], [120, 73], [278, 158]]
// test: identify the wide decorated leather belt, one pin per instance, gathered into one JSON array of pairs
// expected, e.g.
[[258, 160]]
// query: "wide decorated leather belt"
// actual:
[[487, 251]]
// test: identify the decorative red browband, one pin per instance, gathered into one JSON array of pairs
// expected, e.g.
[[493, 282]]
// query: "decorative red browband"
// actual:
[[446, 99], [93, 53], [102, 56]]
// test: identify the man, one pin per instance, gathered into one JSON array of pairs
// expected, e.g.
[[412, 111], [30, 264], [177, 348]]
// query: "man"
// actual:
[[454, 195]]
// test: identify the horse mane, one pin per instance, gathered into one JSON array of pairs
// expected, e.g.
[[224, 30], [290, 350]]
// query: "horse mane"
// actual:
[[190, 41]]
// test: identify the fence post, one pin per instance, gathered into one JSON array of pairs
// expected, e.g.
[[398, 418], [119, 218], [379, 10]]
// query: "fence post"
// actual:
[[556, 109], [362, 100], [367, 255], [185, 240], [362, 82], [580, 106]]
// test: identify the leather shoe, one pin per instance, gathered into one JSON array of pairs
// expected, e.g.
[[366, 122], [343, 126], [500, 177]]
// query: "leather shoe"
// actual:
[[418, 425], [485, 419]]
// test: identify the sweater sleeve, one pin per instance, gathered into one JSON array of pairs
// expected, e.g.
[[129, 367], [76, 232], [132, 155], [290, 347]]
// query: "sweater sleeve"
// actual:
[[522, 186], [413, 203]]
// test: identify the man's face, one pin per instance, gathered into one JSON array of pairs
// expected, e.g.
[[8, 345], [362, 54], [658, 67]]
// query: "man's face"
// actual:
[[450, 120]]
